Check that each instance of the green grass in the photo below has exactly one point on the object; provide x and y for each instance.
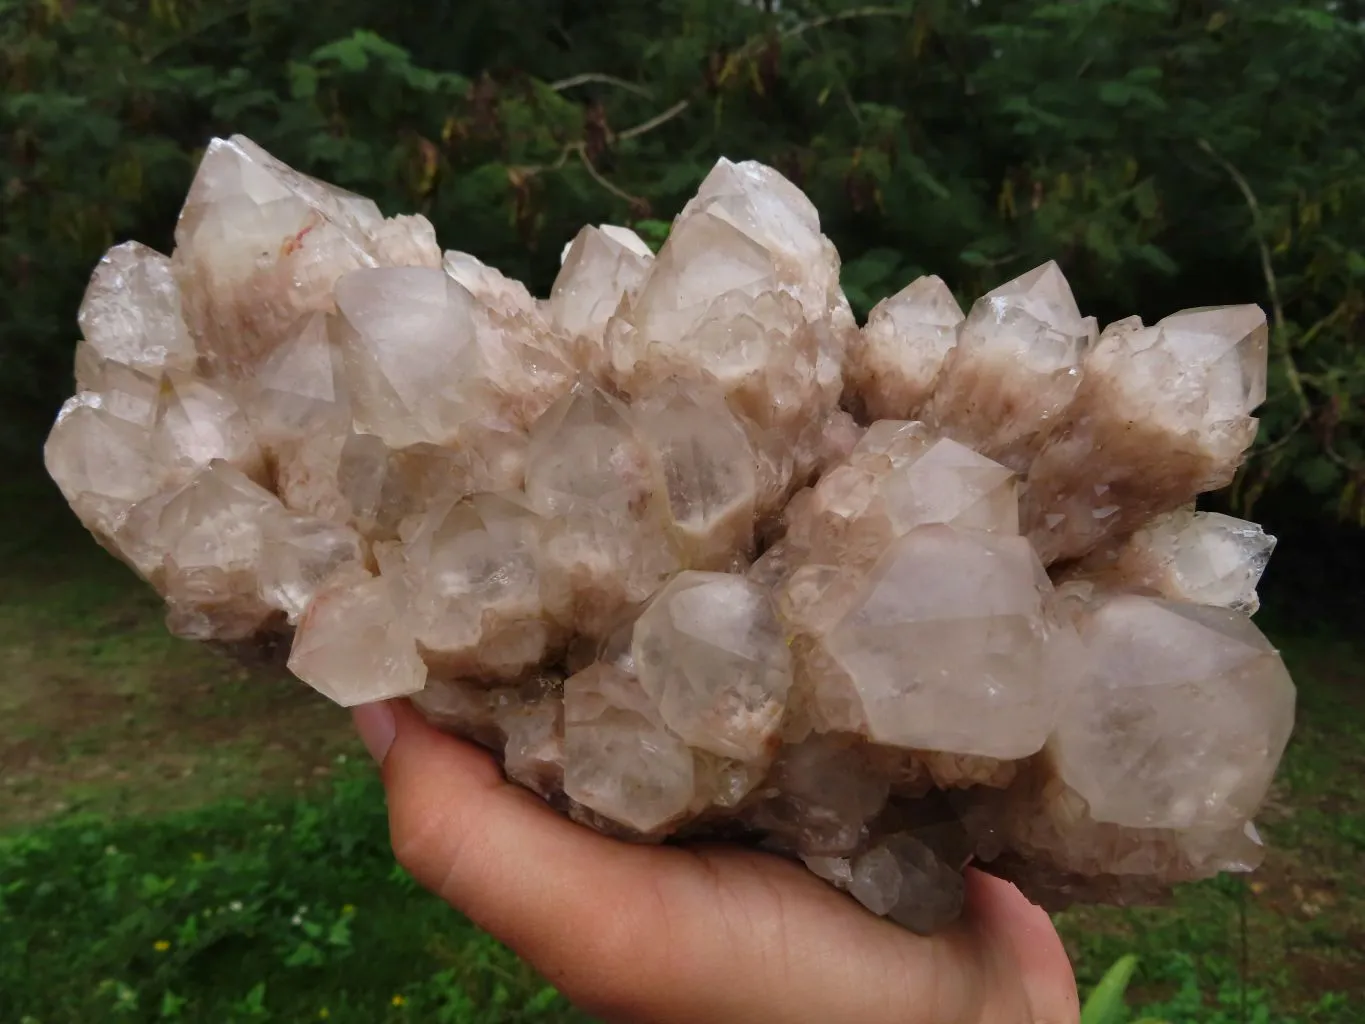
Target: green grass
(276, 910)
(102, 709)
(152, 792)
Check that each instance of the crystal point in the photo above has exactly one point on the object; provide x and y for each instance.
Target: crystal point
(131, 312)
(893, 366)
(1015, 368)
(1163, 413)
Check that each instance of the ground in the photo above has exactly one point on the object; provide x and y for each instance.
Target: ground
(102, 712)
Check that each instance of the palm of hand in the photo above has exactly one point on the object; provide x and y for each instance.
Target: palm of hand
(706, 934)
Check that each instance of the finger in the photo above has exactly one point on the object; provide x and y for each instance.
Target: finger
(534, 880)
(1031, 948)
(774, 943)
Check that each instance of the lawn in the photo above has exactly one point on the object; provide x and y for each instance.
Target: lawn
(183, 839)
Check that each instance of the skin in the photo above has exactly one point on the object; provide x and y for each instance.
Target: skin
(706, 933)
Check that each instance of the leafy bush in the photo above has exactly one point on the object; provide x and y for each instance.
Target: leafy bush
(1167, 152)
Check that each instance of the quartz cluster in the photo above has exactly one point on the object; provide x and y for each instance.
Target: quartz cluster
(693, 552)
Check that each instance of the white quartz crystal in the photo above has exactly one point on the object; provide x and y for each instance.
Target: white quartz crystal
(602, 267)
(1015, 367)
(711, 655)
(1201, 557)
(897, 357)
(131, 312)
(1141, 740)
(353, 646)
(1163, 413)
(689, 552)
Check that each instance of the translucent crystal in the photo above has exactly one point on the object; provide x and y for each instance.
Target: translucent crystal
(211, 533)
(197, 423)
(470, 709)
(586, 452)
(489, 285)
(1200, 557)
(131, 312)
(102, 463)
(534, 751)
(618, 759)
(952, 484)
(897, 357)
(837, 871)
(1015, 368)
(704, 258)
(258, 245)
(407, 240)
(760, 352)
(824, 794)
(704, 475)
(298, 390)
(1164, 413)
(595, 568)
(951, 647)
(1181, 719)
(476, 606)
(710, 654)
(298, 554)
(601, 267)
(1061, 853)
(128, 394)
(353, 646)
(402, 333)
(898, 479)
(900, 878)
(767, 208)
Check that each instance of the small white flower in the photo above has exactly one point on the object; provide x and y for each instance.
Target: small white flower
(296, 920)
(235, 906)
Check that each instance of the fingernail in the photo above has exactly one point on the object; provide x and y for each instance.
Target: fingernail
(376, 726)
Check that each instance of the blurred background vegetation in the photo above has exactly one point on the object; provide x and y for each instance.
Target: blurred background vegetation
(1167, 153)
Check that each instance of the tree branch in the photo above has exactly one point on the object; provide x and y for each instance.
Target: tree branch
(589, 77)
(852, 14)
(194, 31)
(597, 176)
(578, 149)
(1280, 333)
(654, 122)
(753, 43)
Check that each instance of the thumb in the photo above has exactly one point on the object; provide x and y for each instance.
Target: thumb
(531, 878)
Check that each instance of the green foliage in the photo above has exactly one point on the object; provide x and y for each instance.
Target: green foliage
(1105, 1005)
(1168, 153)
(244, 913)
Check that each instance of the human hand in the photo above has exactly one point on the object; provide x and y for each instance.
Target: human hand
(707, 933)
